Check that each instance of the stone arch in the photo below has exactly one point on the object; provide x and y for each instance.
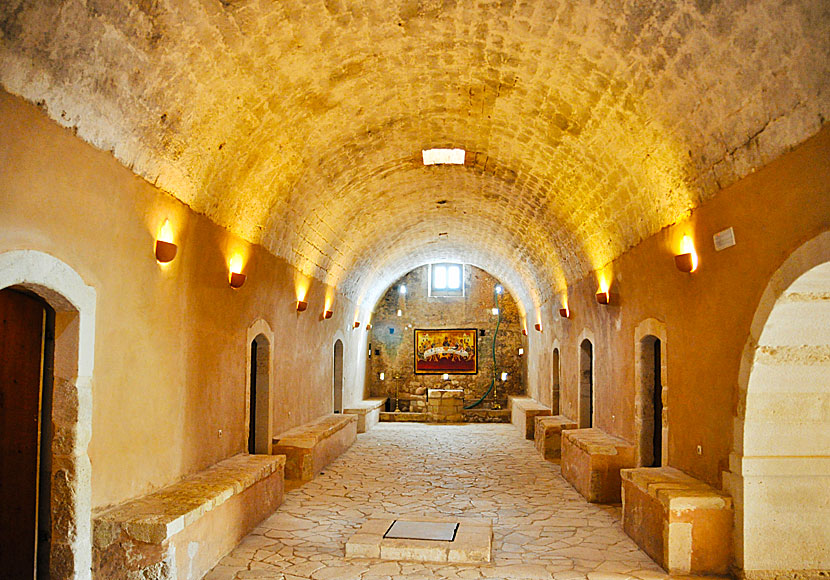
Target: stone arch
(586, 380)
(778, 468)
(260, 333)
(74, 304)
(646, 335)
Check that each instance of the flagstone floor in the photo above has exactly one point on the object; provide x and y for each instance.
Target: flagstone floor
(542, 528)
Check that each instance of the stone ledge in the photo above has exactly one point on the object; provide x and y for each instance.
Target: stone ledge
(309, 434)
(684, 524)
(591, 462)
(158, 516)
(367, 413)
(548, 434)
(523, 411)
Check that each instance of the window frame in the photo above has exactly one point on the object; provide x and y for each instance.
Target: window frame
(447, 292)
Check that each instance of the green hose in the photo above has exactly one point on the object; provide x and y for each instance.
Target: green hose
(493, 381)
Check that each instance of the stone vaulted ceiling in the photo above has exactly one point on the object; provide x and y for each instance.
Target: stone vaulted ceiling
(298, 124)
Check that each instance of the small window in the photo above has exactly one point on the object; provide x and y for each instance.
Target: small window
(446, 280)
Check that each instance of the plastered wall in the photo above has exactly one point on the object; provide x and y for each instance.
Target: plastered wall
(169, 387)
(707, 313)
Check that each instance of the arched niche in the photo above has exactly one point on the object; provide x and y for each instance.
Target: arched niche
(650, 394)
(259, 390)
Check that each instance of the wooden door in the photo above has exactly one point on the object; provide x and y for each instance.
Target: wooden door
(21, 362)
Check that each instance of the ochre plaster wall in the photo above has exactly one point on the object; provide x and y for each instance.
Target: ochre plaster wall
(420, 311)
(171, 348)
(707, 313)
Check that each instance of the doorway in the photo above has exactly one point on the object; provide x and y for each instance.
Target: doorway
(259, 411)
(26, 377)
(338, 376)
(586, 384)
(651, 402)
(554, 399)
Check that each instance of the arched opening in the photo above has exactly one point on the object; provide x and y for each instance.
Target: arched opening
(338, 376)
(259, 410)
(786, 434)
(586, 384)
(26, 376)
(554, 399)
(53, 342)
(651, 409)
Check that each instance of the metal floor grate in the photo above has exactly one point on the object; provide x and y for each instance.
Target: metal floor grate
(404, 530)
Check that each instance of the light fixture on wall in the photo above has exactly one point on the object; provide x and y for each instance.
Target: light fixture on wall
(499, 289)
(687, 260)
(524, 332)
(368, 327)
(445, 376)
(357, 324)
(382, 376)
(603, 297)
(521, 351)
(302, 305)
(538, 326)
(327, 314)
(494, 311)
(236, 277)
(402, 289)
(503, 377)
(565, 312)
(165, 248)
(400, 312)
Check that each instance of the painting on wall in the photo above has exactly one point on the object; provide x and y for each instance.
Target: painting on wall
(446, 351)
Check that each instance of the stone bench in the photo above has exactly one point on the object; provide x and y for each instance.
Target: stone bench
(310, 447)
(682, 523)
(523, 411)
(548, 437)
(591, 462)
(367, 412)
(172, 532)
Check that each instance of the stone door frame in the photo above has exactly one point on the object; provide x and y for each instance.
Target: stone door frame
(74, 304)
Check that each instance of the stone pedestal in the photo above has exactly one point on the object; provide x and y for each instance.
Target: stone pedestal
(445, 405)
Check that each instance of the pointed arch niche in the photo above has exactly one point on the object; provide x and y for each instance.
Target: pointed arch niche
(259, 390)
(586, 391)
(650, 394)
(71, 499)
(779, 469)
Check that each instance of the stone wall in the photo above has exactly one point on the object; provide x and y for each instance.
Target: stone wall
(392, 339)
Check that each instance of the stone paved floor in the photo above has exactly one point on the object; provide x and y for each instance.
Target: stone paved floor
(542, 528)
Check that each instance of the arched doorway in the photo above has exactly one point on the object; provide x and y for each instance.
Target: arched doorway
(586, 384)
(338, 376)
(650, 417)
(67, 358)
(259, 396)
(555, 373)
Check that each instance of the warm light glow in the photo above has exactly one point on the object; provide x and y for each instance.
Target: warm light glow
(538, 326)
(235, 264)
(166, 232)
(382, 376)
(357, 324)
(687, 246)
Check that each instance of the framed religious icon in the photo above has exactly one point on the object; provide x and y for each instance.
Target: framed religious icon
(442, 351)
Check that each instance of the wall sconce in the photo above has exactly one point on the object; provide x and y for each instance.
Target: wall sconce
(368, 327)
(301, 305)
(565, 312)
(445, 376)
(357, 324)
(327, 314)
(495, 311)
(165, 248)
(382, 376)
(538, 326)
(524, 332)
(603, 297)
(402, 289)
(503, 377)
(687, 260)
(236, 278)
(521, 352)
(400, 312)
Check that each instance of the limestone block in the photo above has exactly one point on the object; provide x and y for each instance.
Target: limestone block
(591, 462)
(682, 523)
(548, 434)
(367, 412)
(523, 411)
(310, 447)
